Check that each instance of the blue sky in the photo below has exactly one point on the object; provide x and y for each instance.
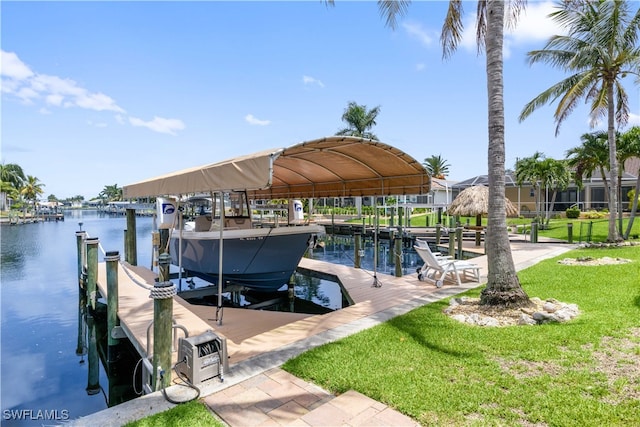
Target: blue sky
(96, 94)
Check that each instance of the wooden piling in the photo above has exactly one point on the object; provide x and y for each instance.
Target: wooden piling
(93, 380)
(452, 243)
(162, 328)
(397, 252)
(459, 239)
(92, 270)
(438, 233)
(82, 255)
(131, 251)
(357, 240)
(112, 259)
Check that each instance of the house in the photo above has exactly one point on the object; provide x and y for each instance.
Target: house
(590, 197)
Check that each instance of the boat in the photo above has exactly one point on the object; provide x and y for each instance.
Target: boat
(264, 257)
(256, 256)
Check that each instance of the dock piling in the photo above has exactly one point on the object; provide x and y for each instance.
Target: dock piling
(397, 254)
(82, 255)
(162, 325)
(131, 251)
(459, 239)
(357, 239)
(112, 259)
(92, 270)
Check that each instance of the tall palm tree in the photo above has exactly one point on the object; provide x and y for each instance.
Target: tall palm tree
(599, 51)
(437, 166)
(359, 121)
(503, 286)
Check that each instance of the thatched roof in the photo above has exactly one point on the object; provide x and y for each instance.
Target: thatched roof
(474, 201)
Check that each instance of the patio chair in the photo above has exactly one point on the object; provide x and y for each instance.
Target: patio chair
(444, 266)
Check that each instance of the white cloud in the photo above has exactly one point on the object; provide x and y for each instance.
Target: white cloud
(12, 67)
(416, 31)
(29, 86)
(249, 118)
(308, 80)
(634, 119)
(159, 124)
(532, 27)
(534, 24)
(421, 66)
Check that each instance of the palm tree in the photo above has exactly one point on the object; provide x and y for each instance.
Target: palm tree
(528, 170)
(503, 287)
(592, 155)
(111, 193)
(554, 175)
(31, 189)
(630, 144)
(436, 166)
(11, 179)
(600, 50)
(359, 120)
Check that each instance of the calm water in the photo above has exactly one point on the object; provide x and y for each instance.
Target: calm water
(39, 310)
(39, 369)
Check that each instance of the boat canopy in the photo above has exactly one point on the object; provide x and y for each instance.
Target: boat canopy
(335, 166)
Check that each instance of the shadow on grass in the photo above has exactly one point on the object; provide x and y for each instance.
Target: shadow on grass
(429, 327)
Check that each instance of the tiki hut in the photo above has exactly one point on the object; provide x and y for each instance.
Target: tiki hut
(474, 201)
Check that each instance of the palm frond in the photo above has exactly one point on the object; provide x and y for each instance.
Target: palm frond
(452, 29)
(390, 10)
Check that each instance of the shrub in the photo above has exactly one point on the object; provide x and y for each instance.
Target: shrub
(573, 212)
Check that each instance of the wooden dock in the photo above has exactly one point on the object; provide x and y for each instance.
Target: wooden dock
(251, 333)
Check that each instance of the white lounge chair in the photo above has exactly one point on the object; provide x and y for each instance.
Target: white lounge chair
(444, 265)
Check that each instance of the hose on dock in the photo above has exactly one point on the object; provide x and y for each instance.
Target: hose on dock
(186, 381)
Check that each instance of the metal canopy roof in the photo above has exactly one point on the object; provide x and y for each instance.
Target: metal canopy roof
(335, 166)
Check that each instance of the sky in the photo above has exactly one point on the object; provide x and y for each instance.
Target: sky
(104, 93)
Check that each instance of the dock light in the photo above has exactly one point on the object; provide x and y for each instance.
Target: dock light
(80, 224)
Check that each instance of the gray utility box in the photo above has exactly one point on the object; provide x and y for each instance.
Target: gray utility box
(202, 357)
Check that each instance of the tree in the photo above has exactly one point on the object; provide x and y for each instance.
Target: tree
(592, 155)
(543, 172)
(31, 189)
(111, 193)
(11, 179)
(359, 121)
(436, 166)
(527, 170)
(503, 287)
(600, 50)
(630, 140)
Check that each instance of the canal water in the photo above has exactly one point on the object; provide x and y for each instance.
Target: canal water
(45, 377)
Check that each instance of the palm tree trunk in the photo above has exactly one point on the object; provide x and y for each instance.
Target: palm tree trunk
(503, 286)
(634, 207)
(613, 235)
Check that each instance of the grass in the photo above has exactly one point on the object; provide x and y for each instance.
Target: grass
(191, 414)
(441, 372)
(557, 228)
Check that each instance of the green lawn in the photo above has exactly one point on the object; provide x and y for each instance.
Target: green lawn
(191, 414)
(557, 228)
(441, 372)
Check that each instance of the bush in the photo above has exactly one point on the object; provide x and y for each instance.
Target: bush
(573, 212)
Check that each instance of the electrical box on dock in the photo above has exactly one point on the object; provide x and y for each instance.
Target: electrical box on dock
(202, 357)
